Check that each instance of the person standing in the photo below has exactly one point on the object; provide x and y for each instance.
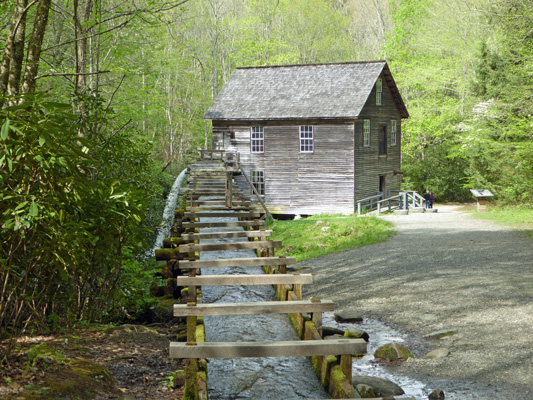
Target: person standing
(431, 199)
(426, 198)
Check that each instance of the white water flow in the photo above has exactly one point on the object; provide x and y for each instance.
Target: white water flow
(252, 378)
(380, 334)
(168, 213)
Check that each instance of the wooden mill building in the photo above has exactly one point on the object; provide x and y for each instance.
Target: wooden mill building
(313, 138)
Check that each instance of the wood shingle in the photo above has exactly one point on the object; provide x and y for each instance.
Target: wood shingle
(321, 91)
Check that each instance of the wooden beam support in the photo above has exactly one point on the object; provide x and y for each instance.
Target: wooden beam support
(262, 307)
(220, 235)
(262, 279)
(222, 224)
(237, 262)
(233, 214)
(269, 244)
(301, 348)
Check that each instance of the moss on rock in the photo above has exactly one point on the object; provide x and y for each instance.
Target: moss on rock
(392, 352)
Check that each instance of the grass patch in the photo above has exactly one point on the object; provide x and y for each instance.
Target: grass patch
(516, 217)
(324, 234)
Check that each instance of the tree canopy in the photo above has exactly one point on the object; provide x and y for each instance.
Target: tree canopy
(101, 102)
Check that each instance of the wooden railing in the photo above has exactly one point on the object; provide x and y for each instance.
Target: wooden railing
(398, 202)
(368, 204)
(402, 201)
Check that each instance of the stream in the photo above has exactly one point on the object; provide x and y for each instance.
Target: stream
(275, 378)
(289, 377)
(252, 378)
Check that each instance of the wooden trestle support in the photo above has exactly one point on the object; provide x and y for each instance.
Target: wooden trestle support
(213, 193)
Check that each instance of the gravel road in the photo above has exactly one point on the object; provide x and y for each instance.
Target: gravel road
(445, 270)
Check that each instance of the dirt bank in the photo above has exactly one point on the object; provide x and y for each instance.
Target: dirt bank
(445, 271)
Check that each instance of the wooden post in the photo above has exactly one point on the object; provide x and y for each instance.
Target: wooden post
(297, 289)
(282, 268)
(346, 366)
(191, 254)
(192, 297)
(191, 379)
(229, 189)
(317, 320)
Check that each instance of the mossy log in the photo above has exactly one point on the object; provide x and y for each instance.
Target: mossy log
(168, 254)
(172, 242)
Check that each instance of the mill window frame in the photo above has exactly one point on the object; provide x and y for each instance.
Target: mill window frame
(307, 140)
(379, 91)
(393, 132)
(257, 139)
(258, 181)
(366, 133)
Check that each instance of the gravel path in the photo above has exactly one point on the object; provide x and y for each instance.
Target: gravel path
(445, 270)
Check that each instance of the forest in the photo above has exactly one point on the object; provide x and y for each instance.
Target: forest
(102, 103)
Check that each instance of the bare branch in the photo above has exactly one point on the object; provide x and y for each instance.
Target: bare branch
(114, 92)
(72, 74)
(86, 37)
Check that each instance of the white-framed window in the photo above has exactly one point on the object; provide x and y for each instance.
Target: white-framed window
(379, 91)
(306, 139)
(258, 180)
(257, 139)
(393, 132)
(366, 133)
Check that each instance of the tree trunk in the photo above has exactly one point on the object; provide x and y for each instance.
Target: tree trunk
(81, 18)
(17, 60)
(35, 45)
(11, 50)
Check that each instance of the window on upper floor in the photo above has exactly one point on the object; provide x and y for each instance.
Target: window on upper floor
(379, 91)
(257, 139)
(366, 133)
(393, 132)
(306, 139)
(258, 181)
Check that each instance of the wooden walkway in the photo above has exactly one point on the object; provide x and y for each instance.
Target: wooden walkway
(212, 193)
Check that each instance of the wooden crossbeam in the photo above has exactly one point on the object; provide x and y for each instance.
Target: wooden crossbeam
(222, 224)
(302, 348)
(233, 214)
(220, 207)
(261, 307)
(251, 279)
(237, 262)
(222, 235)
(219, 202)
(267, 244)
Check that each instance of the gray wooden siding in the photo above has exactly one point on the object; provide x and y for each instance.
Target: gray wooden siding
(300, 183)
(369, 165)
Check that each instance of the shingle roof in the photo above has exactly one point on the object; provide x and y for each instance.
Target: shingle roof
(300, 92)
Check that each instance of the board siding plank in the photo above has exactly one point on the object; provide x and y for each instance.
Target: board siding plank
(302, 348)
(270, 244)
(262, 279)
(220, 235)
(237, 262)
(222, 224)
(261, 307)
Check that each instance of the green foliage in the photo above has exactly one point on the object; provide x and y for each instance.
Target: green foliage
(73, 212)
(324, 234)
(465, 75)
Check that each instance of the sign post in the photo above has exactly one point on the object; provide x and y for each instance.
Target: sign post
(482, 196)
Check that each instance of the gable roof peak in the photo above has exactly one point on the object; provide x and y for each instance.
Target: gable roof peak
(301, 91)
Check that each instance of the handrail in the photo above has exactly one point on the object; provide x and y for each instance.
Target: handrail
(401, 200)
(417, 200)
(369, 200)
(254, 190)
